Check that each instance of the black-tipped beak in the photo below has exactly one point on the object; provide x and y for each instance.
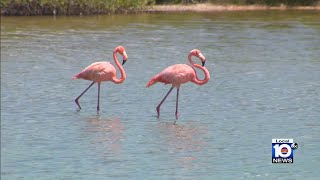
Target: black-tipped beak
(203, 63)
(124, 61)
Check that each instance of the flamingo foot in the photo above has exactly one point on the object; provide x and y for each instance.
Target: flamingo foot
(158, 111)
(77, 102)
(177, 115)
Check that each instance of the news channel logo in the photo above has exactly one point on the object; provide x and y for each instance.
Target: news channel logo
(282, 150)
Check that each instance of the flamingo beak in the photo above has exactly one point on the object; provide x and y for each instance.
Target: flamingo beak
(203, 59)
(203, 63)
(125, 57)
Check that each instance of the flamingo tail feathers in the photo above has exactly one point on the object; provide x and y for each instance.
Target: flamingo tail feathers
(152, 81)
(157, 78)
(77, 76)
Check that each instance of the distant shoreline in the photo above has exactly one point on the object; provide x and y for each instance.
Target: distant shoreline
(213, 8)
(204, 7)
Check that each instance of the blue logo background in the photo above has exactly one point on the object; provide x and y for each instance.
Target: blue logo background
(273, 150)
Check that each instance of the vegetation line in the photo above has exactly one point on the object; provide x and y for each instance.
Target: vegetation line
(87, 7)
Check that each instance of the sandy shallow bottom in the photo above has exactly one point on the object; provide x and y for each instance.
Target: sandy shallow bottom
(211, 7)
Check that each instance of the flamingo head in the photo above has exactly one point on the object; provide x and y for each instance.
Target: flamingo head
(197, 53)
(121, 50)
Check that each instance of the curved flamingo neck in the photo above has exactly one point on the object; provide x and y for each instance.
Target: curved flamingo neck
(123, 73)
(190, 59)
(196, 79)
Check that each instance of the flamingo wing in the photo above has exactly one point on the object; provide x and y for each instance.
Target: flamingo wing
(97, 72)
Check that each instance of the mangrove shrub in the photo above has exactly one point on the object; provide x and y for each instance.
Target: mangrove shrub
(71, 7)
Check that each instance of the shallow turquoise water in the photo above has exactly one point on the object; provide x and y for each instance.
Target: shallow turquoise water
(265, 83)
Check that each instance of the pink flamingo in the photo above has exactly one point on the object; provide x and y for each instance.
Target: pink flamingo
(179, 74)
(103, 71)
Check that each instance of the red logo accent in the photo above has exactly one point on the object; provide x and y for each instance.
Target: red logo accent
(284, 150)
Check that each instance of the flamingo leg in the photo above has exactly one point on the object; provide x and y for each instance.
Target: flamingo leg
(158, 107)
(77, 99)
(98, 104)
(177, 100)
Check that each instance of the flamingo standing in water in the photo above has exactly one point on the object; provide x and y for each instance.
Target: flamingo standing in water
(179, 74)
(103, 71)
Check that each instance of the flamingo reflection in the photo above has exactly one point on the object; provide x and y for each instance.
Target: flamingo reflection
(107, 134)
(184, 142)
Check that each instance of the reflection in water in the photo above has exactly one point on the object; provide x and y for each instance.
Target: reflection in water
(185, 142)
(106, 134)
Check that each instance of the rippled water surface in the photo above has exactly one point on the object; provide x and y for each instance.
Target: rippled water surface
(265, 83)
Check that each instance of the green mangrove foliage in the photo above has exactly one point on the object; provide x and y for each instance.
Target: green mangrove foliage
(71, 7)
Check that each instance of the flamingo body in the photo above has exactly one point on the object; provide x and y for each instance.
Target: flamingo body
(179, 74)
(98, 72)
(176, 75)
